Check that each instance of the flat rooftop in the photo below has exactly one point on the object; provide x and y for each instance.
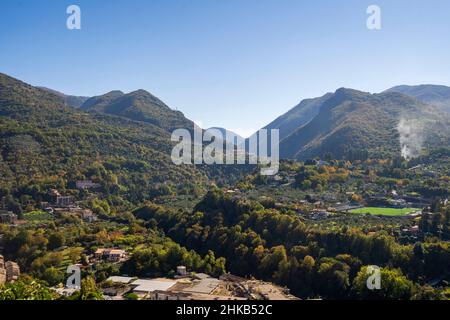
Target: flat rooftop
(206, 286)
(119, 279)
(153, 285)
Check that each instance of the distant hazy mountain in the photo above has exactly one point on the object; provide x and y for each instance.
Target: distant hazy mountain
(351, 122)
(226, 132)
(290, 121)
(138, 105)
(301, 114)
(71, 101)
(432, 94)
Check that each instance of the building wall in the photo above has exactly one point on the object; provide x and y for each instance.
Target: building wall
(12, 271)
(64, 201)
(9, 271)
(2, 270)
(2, 276)
(8, 218)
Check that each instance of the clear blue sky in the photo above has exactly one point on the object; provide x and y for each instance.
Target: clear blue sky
(232, 63)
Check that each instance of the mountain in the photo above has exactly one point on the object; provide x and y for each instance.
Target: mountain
(226, 132)
(99, 103)
(290, 121)
(301, 114)
(71, 101)
(138, 105)
(46, 144)
(432, 94)
(353, 123)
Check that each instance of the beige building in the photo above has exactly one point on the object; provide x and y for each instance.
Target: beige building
(2, 270)
(112, 255)
(12, 271)
(9, 271)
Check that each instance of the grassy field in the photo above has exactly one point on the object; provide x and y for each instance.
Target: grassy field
(37, 216)
(391, 212)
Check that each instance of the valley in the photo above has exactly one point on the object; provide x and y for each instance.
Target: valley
(90, 182)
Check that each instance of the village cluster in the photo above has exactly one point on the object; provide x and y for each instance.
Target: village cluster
(344, 202)
(184, 286)
(57, 203)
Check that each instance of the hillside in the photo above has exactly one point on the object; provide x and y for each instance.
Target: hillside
(45, 144)
(226, 132)
(433, 94)
(71, 101)
(301, 114)
(138, 105)
(355, 124)
(99, 103)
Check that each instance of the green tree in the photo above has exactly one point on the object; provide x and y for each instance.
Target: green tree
(55, 241)
(26, 289)
(89, 290)
(394, 285)
(53, 276)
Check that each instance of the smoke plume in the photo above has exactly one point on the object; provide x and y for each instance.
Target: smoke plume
(411, 133)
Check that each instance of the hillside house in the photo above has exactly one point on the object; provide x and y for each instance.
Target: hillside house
(111, 255)
(12, 271)
(2, 270)
(9, 271)
(8, 217)
(60, 200)
(87, 215)
(86, 184)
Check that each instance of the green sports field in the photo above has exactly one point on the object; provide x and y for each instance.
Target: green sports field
(391, 212)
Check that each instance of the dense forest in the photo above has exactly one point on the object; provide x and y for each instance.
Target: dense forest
(268, 244)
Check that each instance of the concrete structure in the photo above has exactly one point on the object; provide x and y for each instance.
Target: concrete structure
(112, 255)
(268, 291)
(204, 286)
(148, 286)
(60, 200)
(2, 276)
(196, 287)
(2, 270)
(169, 295)
(12, 271)
(9, 271)
(88, 216)
(8, 217)
(181, 270)
(201, 276)
(86, 184)
(64, 201)
(120, 279)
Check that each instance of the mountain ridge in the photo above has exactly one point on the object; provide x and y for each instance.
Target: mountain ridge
(46, 144)
(437, 95)
(355, 121)
(138, 105)
(339, 123)
(299, 115)
(70, 100)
